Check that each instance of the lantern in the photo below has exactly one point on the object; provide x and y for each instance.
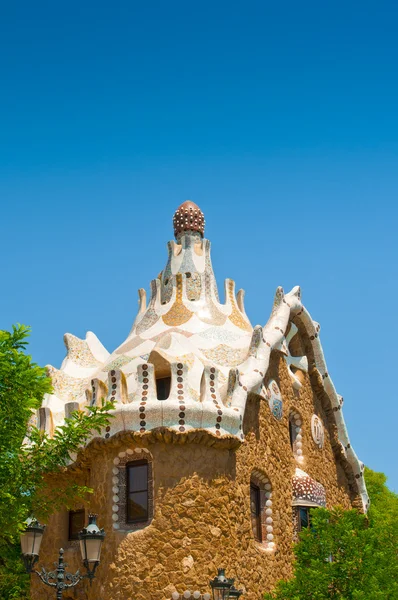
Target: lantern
(30, 543)
(91, 538)
(221, 586)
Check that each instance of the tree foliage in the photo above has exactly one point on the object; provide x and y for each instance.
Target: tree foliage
(347, 555)
(29, 458)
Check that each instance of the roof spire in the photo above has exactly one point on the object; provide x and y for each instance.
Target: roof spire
(188, 217)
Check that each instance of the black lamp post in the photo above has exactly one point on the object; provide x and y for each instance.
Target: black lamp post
(91, 538)
(221, 586)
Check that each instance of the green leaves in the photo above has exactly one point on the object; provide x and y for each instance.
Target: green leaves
(14, 582)
(347, 555)
(22, 387)
(30, 461)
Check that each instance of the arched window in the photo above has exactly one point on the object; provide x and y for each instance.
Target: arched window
(261, 510)
(163, 385)
(162, 375)
(296, 435)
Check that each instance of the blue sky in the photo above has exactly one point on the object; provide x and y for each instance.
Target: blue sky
(279, 119)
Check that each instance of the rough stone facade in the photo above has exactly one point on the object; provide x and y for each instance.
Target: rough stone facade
(201, 505)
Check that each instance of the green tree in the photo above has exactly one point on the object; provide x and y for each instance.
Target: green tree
(29, 459)
(347, 555)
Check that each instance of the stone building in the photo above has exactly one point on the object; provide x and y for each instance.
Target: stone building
(223, 436)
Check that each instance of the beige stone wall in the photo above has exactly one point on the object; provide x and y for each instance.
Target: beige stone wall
(201, 505)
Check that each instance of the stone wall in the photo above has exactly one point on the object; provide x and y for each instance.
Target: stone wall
(201, 504)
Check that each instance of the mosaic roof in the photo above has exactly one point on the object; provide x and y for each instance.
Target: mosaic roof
(209, 349)
(307, 491)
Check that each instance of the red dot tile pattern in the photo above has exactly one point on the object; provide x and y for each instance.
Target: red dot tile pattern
(188, 217)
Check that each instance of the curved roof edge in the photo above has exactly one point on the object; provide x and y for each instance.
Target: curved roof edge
(289, 307)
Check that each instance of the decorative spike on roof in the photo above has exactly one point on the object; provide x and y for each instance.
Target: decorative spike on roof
(188, 217)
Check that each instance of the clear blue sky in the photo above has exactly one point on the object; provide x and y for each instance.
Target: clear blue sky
(279, 119)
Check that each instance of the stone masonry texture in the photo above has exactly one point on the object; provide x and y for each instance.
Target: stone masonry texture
(201, 504)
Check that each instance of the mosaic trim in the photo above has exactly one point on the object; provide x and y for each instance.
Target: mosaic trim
(267, 521)
(216, 317)
(236, 316)
(178, 314)
(217, 334)
(117, 363)
(159, 336)
(117, 387)
(225, 355)
(65, 386)
(166, 279)
(181, 373)
(98, 392)
(130, 345)
(151, 316)
(295, 419)
(193, 286)
(211, 282)
(79, 352)
(146, 391)
(119, 489)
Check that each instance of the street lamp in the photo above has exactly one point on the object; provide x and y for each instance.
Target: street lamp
(235, 594)
(30, 543)
(91, 539)
(221, 586)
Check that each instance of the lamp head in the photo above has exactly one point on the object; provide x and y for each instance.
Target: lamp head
(91, 539)
(30, 543)
(221, 586)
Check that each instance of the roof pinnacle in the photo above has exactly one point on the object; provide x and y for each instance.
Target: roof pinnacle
(188, 217)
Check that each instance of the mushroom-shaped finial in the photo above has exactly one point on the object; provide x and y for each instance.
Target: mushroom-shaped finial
(188, 217)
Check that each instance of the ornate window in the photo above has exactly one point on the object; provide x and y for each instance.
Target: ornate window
(132, 490)
(261, 510)
(76, 522)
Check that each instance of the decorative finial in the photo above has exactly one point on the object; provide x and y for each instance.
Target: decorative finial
(188, 217)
